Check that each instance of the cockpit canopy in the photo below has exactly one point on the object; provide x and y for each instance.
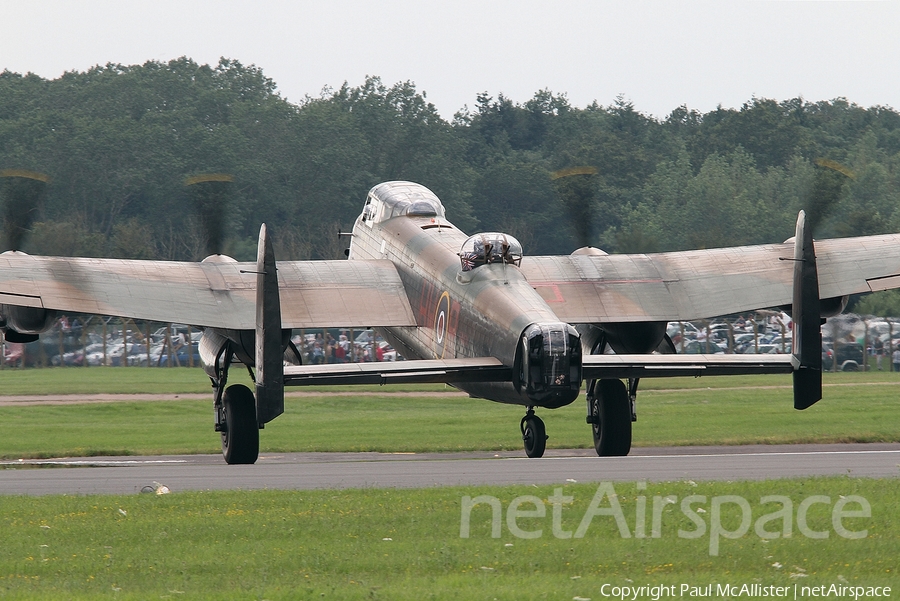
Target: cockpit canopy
(490, 247)
(393, 199)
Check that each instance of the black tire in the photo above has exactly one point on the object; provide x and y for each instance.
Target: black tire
(240, 437)
(534, 435)
(611, 417)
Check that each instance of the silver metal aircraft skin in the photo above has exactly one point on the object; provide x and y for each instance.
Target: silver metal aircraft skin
(471, 311)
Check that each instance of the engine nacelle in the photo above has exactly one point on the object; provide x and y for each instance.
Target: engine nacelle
(590, 250)
(212, 345)
(634, 338)
(549, 362)
(23, 324)
(240, 342)
(828, 307)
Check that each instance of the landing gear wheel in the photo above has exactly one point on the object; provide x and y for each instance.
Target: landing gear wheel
(610, 418)
(240, 434)
(534, 435)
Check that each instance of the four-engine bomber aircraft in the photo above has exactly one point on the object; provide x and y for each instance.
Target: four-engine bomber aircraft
(471, 311)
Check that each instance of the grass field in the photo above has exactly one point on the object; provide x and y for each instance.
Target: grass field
(856, 408)
(175, 380)
(137, 380)
(407, 544)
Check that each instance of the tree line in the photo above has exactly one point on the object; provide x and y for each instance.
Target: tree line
(119, 142)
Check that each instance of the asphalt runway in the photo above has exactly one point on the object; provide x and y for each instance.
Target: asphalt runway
(128, 475)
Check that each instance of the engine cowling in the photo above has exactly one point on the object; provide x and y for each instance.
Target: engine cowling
(828, 307)
(212, 344)
(636, 338)
(242, 343)
(23, 324)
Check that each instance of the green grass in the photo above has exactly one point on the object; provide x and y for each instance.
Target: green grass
(332, 544)
(181, 380)
(829, 379)
(113, 380)
(141, 380)
(855, 412)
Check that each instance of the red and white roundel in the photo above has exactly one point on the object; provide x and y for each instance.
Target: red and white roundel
(441, 316)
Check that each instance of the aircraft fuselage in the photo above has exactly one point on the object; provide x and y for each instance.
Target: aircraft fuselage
(477, 313)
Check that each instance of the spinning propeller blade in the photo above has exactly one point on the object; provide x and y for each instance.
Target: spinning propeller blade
(211, 192)
(23, 194)
(577, 189)
(828, 184)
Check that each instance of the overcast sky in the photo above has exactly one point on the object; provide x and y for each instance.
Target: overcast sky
(657, 54)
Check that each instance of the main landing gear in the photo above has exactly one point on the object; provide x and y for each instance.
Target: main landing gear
(240, 416)
(240, 432)
(236, 418)
(534, 435)
(610, 409)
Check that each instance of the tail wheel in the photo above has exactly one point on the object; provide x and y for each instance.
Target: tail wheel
(611, 418)
(240, 436)
(534, 435)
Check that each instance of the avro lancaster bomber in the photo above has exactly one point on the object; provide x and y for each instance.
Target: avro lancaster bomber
(473, 311)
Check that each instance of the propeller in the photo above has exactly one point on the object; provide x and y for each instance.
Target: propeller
(828, 183)
(211, 192)
(577, 189)
(22, 194)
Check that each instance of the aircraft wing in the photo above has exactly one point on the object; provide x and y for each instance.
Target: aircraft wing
(222, 295)
(681, 286)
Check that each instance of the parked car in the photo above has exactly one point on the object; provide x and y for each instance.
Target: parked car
(704, 347)
(767, 349)
(849, 357)
(673, 328)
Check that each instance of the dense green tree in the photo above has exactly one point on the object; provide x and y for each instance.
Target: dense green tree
(519, 199)
(119, 142)
(880, 304)
(770, 131)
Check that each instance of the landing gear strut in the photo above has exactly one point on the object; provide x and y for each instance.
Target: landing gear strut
(534, 435)
(610, 413)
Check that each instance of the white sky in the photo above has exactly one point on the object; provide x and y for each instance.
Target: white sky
(658, 54)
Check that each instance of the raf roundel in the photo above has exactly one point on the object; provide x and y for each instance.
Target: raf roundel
(441, 315)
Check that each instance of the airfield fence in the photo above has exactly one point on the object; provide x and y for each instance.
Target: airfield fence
(93, 340)
(850, 342)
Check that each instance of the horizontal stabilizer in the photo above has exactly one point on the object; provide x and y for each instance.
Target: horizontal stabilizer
(486, 369)
(489, 369)
(602, 367)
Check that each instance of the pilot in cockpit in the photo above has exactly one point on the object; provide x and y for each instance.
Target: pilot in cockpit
(491, 247)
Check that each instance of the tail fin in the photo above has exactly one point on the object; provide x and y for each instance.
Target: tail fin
(269, 350)
(806, 310)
